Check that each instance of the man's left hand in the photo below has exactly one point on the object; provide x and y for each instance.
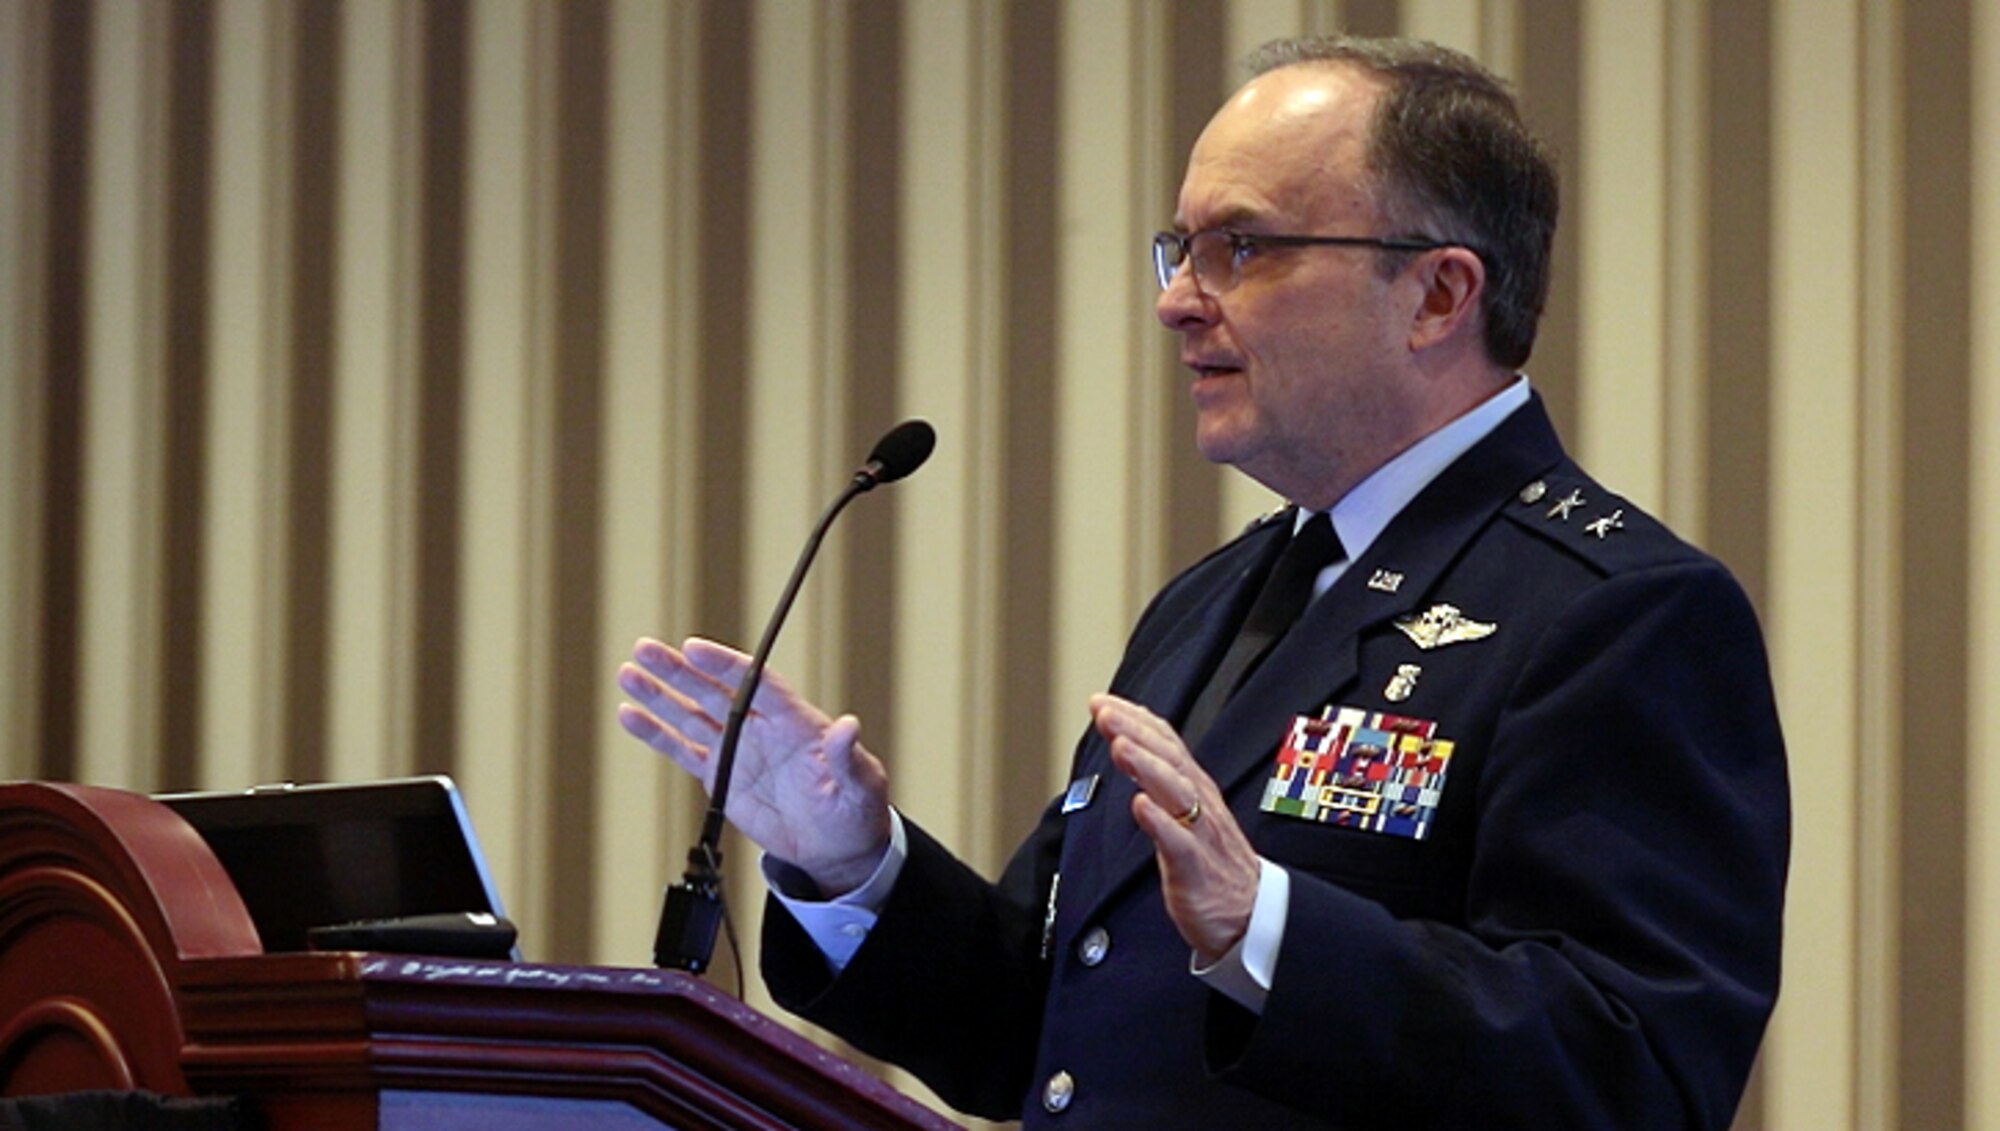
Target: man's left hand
(1208, 871)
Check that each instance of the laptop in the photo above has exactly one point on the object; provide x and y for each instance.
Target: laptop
(385, 865)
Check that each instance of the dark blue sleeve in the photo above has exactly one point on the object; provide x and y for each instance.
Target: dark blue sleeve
(949, 984)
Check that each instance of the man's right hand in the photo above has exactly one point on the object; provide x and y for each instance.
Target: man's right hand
(804, 789)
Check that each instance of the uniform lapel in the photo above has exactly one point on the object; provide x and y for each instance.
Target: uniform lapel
(1316, 663)
(1168, 680)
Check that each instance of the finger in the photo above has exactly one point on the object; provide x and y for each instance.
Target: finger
(1172, 838)
(838, 746)
(667, 705)
(1117, 717)
(717, 661)
(1162, 784)
(726, 667)
(640, 684)
(647, 728)
(672, 668)
(661, 680)
(661, 659)
(1208, 877)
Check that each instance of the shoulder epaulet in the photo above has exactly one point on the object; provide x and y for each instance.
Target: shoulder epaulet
(1589, 520)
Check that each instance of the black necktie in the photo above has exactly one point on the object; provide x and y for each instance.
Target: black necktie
(1286, 593)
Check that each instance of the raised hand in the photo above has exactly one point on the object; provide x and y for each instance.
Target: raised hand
(1208, 871)
(804, 788)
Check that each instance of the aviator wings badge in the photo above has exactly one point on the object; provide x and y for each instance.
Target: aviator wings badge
(1440, 625)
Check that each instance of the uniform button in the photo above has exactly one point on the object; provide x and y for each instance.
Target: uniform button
(1094, 945)
(1057, 1093)
(853, 930)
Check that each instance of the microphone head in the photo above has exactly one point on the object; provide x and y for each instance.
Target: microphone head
(899, 453)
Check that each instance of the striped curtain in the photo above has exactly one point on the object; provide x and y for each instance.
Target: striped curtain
(372, 374)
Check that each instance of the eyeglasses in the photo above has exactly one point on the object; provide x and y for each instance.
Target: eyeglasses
(1218, 253)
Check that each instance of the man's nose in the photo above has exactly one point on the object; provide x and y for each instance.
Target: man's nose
(1183, 304)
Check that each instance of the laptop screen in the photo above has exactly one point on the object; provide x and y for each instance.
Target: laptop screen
(310, 856)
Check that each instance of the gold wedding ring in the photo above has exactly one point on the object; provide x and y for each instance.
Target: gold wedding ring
(1186, 820)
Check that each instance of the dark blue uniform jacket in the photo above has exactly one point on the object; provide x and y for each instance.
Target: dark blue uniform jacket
(1586, 937)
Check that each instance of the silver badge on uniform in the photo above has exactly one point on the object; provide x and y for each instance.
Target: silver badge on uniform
(1443, 624)
(1602, 527)
(1566, 504)
(1403, 683)
(1049, 917)
(1386, 581)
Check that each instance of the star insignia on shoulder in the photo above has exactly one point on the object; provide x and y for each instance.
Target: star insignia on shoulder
(1440, 625)
(1602, 527)
(1566, 504)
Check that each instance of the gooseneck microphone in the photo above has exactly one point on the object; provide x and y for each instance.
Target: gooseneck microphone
(903, 450)
(694, 911)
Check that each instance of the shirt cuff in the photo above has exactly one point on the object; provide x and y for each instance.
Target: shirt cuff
(839, 926)
(1244, 974)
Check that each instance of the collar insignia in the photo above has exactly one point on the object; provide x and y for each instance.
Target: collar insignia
(1386, 581)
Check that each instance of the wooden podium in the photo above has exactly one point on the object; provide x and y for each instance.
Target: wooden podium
(127, 961)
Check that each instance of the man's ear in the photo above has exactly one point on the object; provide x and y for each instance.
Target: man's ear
(1453, 279)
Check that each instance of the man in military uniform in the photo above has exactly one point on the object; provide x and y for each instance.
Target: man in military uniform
(1451, 796)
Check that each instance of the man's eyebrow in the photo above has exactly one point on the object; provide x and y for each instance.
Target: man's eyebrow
(1229, 218)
